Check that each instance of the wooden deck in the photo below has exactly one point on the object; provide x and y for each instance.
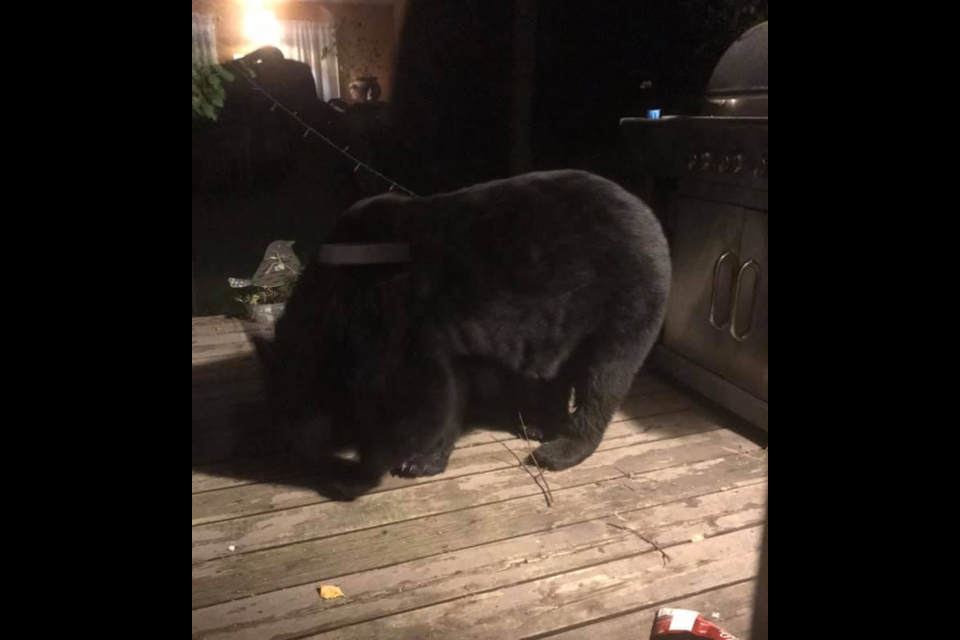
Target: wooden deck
(668, 512)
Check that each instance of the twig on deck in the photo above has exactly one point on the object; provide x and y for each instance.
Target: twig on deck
(526, 438)
(546, 495)
(651, 542)
(628, 476)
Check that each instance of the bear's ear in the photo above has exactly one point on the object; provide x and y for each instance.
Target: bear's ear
(265, 350)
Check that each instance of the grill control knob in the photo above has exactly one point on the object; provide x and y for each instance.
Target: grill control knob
(706, 161)
(693, 162)
(731, 163)
(761, 170)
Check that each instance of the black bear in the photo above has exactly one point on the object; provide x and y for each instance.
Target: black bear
(559, 278)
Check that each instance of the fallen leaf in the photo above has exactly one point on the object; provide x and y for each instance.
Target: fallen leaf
(697, 538)
(329, 592)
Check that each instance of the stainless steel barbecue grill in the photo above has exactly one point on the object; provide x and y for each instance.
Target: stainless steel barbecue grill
(713, 170)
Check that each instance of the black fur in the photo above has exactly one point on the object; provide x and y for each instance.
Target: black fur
(561, 278)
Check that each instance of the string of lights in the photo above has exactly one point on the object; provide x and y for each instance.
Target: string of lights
(359, 164)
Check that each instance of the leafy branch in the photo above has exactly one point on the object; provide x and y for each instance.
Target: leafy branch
(208, 90)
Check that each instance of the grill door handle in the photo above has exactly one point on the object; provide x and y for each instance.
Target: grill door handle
(720, 326)
(742, 337)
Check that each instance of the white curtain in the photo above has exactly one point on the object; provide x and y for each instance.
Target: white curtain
(204, 38)
(313, 44)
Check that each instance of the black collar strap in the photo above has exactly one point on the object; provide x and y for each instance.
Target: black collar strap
(359, 254)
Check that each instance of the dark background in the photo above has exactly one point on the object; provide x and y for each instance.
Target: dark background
(452, 120)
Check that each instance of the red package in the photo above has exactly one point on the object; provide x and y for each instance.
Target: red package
(683, 624)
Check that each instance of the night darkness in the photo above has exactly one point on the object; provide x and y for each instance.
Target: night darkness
(453, 91)
(449, 121)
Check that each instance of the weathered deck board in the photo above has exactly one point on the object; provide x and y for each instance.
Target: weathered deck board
(245, 434)
(237, 336)
(653, 413)
(216, 324)
(213, 351)
(441, 578)
(245, 421)
(552, 603)
(474, 552)
(252, 499)
(422, 500)
(731, 607)
(269, 468)
(246, 574)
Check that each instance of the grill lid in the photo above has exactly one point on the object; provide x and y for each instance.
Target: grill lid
(738, 86)
(727, 143)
